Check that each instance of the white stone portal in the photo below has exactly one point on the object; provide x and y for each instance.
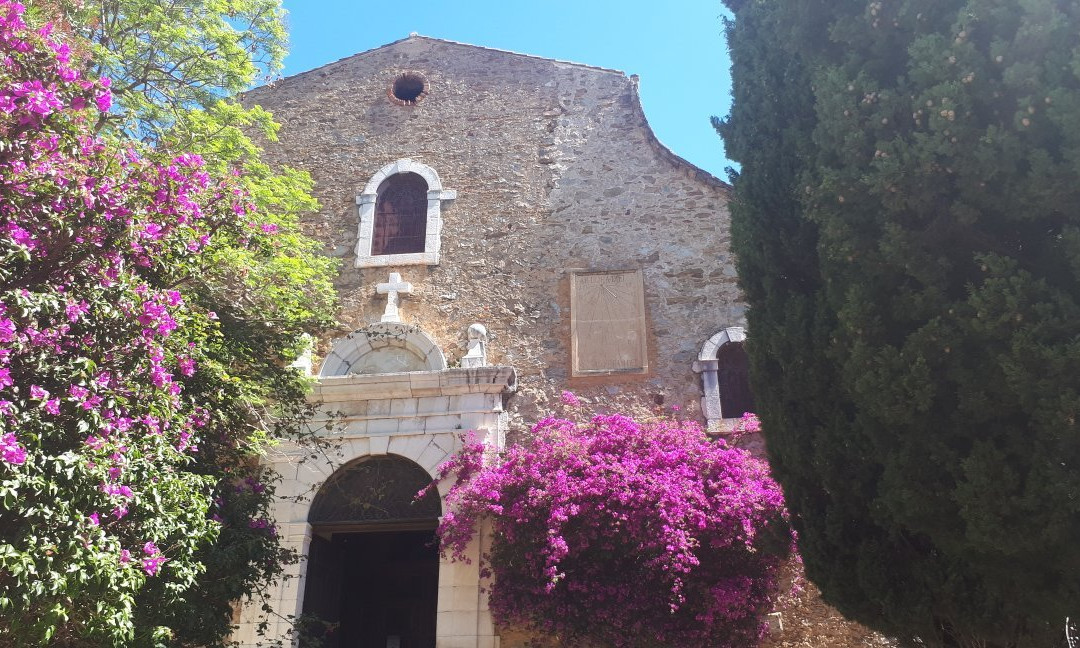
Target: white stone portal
(420, 416)
(386, 390)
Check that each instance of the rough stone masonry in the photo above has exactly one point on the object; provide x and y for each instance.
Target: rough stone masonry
(556, 170)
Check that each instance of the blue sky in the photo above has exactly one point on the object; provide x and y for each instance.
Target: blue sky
(676, 47)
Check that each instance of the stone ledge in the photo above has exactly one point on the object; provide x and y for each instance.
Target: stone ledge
(448, 382)
(384, 260)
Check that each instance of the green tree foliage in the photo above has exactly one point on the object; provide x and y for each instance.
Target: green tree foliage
(177, 67)
(909, 244)
(166, 57)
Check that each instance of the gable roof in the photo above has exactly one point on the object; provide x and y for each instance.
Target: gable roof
(444, 41)
(633, 80)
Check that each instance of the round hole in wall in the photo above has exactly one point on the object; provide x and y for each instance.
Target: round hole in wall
(408, 89)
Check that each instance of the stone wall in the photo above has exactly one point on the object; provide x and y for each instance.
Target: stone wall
(555, 169)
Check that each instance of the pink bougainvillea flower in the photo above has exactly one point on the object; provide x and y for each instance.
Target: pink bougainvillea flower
(103, 100)
(186, 365)
(153, 560)
(20, 236)
(7, 330)
(75, 310)
(748, 424)
(667, 536)
(11, 451)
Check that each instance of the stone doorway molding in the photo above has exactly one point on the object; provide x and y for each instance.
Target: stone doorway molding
(436, 195)
(707, 365)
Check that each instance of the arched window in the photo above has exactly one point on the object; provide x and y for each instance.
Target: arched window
(400, 215)
(733, 378)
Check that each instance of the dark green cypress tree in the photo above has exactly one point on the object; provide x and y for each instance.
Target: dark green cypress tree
(907, 221)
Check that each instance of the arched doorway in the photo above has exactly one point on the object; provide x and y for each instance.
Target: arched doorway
(373, 564)
(725, 379)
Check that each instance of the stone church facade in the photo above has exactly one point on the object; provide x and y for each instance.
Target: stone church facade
(509, 228)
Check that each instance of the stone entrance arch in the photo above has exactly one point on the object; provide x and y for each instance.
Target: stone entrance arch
(373, 564)
(377, 491)
(380, 420)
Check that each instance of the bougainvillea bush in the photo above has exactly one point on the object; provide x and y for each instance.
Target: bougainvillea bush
(619, 533)
(134, 374)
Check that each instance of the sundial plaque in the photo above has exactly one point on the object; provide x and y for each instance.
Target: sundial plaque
(607, 323)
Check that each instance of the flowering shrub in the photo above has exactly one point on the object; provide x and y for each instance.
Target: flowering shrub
(123, 427)
(618, 533)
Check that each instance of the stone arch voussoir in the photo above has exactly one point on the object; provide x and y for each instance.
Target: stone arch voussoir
(404, 165)
(724, 336)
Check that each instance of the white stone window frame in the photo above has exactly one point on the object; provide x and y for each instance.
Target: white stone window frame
(436, 195)
(707, 365)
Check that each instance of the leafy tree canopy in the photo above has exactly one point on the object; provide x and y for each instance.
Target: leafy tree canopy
(166, 57)
(909, 245)
(177, 68)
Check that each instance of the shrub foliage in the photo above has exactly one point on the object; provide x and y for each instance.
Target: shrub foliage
(618, 533)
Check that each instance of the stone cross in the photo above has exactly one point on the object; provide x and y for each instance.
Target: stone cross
(392, 289)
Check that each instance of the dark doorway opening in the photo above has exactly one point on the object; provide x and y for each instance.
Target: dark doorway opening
(733, 376)
(372, 590)
(373, 563)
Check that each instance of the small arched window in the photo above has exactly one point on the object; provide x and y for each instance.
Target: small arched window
(401, 216)
(401, 207)
(733, 378)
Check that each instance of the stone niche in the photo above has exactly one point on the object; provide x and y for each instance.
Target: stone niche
(385, 347)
